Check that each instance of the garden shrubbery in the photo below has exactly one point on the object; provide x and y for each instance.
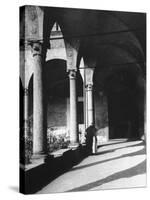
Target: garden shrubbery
(55, 142)
(26, 147)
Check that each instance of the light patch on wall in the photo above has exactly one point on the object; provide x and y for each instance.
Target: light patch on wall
(57, 46)
(81, 68)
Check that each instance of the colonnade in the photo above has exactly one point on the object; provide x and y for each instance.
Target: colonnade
(39, 135)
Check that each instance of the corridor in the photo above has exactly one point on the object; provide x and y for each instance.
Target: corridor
(76, 72)
(118, 164)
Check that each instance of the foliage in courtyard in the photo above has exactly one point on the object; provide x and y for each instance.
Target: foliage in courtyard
(56, 139)
(55, 142)
(26, 150)
(26, 143)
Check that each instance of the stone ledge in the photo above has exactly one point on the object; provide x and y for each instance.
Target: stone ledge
(35, 163)
(59, 152)
(37, 160)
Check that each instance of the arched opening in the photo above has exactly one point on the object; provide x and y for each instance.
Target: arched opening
(124, 105)
(57, 87)
(123, 90)
(57, 45)
(57, 94)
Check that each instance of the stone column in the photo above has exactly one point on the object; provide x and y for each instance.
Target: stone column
(26, 112)
(73, 110)
(89, 104)
(86, 108)
(38, 107)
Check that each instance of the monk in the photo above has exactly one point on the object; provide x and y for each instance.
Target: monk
(91, 140)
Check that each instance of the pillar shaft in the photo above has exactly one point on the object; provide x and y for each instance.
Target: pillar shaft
(89, 104)
(38, 111)
(86, 108)
(26, 112)
(73, 109)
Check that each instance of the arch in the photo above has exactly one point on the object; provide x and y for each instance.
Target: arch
(30, 80)
(82, 68)
(57, 46)
(56, 77)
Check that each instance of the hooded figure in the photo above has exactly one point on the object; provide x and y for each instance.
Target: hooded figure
(91, 139)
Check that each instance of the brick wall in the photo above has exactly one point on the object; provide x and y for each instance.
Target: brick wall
(57, 112)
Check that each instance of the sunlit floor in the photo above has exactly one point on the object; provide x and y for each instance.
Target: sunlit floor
(118, 164)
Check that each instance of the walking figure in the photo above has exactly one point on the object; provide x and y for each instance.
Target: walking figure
(91, 140)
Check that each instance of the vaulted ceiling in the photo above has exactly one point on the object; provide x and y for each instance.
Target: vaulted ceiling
(115, 40)
(103, 34)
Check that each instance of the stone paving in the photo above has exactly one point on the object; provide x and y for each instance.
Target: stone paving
(117, 164)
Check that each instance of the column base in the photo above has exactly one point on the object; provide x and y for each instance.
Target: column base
(36, 160)
(37, 156)
(74, 145)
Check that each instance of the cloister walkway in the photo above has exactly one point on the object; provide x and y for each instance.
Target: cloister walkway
(118, 164)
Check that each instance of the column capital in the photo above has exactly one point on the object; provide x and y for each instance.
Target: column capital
(72, 74)
(37, 48)
(34, 45)
(89, 86)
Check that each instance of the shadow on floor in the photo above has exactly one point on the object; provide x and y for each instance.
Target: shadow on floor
(117, 142)
(133, 171)
(36, 178)
(120, 142)
(33, 180)
(140, 152)
(115, 149)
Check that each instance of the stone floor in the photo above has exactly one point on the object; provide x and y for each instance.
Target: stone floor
(118, 164)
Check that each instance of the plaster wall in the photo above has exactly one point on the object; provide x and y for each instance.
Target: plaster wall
(101, 117)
